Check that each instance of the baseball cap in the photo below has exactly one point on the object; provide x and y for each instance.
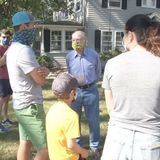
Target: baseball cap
(22, 17)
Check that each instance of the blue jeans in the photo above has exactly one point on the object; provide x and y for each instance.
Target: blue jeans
(125, 144)
(89, 99)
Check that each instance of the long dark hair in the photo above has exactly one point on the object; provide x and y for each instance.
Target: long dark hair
(147, 32)
(138, 24)
(152, 40)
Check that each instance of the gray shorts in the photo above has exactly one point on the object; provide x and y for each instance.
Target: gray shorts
(5, 88)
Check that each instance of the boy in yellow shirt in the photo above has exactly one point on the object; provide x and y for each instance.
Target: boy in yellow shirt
(62, 122)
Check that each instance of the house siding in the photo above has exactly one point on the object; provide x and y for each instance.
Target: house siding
(58, 56)
(99, 18)
(94, 19)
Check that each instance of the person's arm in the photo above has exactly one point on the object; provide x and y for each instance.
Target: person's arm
(3, 60)
(98, 68)
(71, 144)
(109, 100)
(39, 75)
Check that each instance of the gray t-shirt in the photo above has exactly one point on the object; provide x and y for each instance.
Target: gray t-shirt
(134, 79)
(21, 61)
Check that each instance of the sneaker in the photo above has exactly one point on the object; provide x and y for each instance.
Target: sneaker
(8, 123)
(96, 154)
(3, 129)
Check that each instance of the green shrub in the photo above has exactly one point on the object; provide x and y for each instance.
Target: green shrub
(110, 54)
(45, 60)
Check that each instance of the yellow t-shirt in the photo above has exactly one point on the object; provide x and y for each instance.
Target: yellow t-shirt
(61, 124)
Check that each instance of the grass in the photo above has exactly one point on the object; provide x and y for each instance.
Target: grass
(9, 142)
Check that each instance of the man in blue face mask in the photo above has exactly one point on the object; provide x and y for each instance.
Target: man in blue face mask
(26, 78)
(5, 88)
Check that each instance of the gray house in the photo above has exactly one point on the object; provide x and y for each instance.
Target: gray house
(102, 20)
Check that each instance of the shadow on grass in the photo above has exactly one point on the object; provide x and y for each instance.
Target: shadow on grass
(86, 141)
(9, 158)
(11, 136)
(103, 118)
(101, 92)
(50, 98)
(48, 84)
(103, 130)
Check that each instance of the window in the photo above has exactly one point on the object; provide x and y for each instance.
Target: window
(68, 40)
(115, 3)
(149, 3)
(78, 6)
(66, 15)
(106, 41)
(56, 38)
(111, 40)
(118, 39)
(104, 3)
(60, 41)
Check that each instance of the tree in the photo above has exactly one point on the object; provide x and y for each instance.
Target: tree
(49, 6)
(41, 9)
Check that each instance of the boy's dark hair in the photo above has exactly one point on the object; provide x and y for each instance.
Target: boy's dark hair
(63, 84)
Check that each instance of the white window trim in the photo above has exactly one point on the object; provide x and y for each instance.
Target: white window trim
(63, 40)
(113, 37)
(56, 51)
(76, 1)
(147, 6)
(114, 45)
(111, 7)
(102, 37)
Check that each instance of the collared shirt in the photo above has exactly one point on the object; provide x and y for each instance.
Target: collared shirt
(86, 68)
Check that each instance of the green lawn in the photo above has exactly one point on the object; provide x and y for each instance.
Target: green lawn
(9, 141)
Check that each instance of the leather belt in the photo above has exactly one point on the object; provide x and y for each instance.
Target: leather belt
(86, 86)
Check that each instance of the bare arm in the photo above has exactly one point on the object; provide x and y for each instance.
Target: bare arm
(39, 75)
(3, 60)
(71, 144)
(109, 100)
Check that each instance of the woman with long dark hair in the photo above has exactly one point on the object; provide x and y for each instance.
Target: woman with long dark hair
(132, 90)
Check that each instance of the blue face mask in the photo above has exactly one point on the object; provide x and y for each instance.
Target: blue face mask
(26, 36)
(6, 41)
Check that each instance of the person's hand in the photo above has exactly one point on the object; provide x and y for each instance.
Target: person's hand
(85, 153)
(3, 60)
(43, 71)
